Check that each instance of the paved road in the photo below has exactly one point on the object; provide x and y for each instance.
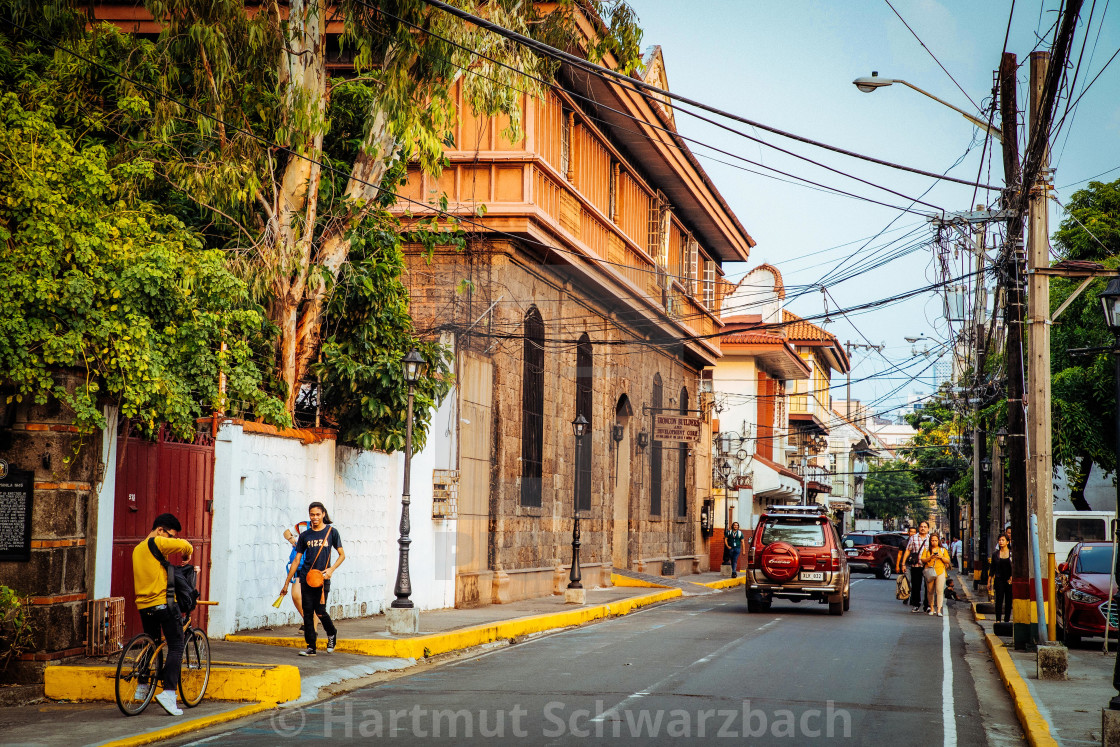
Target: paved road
(698, 669)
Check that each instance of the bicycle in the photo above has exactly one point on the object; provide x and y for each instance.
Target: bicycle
(141, 661)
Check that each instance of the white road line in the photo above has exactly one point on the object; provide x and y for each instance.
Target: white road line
(948, 716)
(613, 710)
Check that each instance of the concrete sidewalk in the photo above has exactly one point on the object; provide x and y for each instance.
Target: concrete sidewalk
(1050, 711)
(267, 661)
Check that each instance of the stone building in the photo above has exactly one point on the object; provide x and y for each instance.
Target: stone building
(591, 285)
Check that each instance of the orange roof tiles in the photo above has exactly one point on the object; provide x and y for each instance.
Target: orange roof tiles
(799, 329)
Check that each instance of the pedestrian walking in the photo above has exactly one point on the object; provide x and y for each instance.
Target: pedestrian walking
(912, 559)
(935, 562)
(733, 541)
(159, 613)
(312, 564)
(956, 554)
(297, 597)
(999, 579)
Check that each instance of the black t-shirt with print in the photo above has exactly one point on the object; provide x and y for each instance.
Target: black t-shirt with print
(309, 543)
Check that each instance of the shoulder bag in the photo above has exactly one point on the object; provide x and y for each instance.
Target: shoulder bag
(314, 577)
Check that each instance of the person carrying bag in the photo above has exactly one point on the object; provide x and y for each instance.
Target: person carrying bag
(315, 573)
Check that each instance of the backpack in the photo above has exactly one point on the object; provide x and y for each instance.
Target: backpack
(182, 582)
(902, 587)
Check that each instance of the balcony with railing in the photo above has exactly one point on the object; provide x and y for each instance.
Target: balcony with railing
(819, 479)
(809, 413)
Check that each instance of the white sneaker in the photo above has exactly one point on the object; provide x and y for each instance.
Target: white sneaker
(167, 700)
(142, 692)
(941, 614)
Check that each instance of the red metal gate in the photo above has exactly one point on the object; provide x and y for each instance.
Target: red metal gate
(162, 476)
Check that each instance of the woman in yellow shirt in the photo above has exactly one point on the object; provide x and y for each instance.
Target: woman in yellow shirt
(936, 562)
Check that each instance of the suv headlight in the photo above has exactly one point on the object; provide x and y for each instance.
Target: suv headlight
(1082, 596)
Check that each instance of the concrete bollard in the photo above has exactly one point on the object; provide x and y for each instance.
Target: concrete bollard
(1052, 662)
(402, 621)
(725, 570)
(1110, 728)
(575, 596)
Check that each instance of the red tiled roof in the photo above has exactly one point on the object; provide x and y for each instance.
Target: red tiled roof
(752, 338)
(799, 329)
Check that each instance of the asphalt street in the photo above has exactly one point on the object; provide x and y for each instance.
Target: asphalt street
(699, 669)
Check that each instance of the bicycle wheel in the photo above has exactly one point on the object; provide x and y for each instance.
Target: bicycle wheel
(137, 670)
(194, 674)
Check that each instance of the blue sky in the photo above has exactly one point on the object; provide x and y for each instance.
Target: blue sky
(791, 64)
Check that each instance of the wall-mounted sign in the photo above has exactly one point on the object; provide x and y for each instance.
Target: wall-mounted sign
(676, 428)
(744, 482)
(17, 489)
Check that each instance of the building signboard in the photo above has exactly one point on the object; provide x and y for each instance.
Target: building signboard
(677, 428)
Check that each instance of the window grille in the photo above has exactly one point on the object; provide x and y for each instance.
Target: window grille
(655, 453)
(694, 266)
(584, 400)
(566, 144)
(532, 409)
(709, 284)
(682, 463)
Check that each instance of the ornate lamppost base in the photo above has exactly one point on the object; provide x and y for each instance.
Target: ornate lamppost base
(402, 620)
(575, 596)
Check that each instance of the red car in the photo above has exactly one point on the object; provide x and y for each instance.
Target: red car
(1083, 587)
(874, 552)
(795, 554)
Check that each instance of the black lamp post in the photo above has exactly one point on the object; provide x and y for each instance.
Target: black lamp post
(579, 427)
(1110, 302)
(413, 365)
(725, 472)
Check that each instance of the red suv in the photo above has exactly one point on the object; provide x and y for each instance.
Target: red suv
(1083, 586)
(795, 554)
(874, 552)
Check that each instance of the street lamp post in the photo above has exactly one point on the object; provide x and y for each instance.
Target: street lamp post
(874, 82)
(413, 365)
(1110, 302)
(579, 427)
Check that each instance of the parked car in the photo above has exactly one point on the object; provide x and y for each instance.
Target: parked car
(794, 553)
(1083, 587)
(874, 552)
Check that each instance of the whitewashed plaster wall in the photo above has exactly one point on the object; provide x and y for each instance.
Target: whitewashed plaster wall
(263, 484)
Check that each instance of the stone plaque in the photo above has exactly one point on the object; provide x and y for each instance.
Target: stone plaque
(17, 488)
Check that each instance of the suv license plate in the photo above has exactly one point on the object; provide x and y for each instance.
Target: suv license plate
(852, 553)
(812, 575)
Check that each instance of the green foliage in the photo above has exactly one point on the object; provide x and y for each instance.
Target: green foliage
(363, 386)
(891, 492)
(115, 288)
(15, 625)
(1082, 388)
(932, 450)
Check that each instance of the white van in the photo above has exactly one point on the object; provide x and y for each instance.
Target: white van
(1071, 527)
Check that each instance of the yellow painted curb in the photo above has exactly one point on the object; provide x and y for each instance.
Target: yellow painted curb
(1035, 726)
(193, 725)
(277, 684)
(724, 583)
(978, 615)
(618, 580)
(456, 640)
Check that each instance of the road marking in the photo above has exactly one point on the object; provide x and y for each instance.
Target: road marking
(948, 716)
(775, 621)
(613, 710)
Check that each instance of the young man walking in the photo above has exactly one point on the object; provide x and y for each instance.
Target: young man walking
(312, 563)
(912, 559)
(161, 619)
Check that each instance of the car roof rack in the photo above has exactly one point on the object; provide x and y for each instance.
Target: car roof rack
(814, 509)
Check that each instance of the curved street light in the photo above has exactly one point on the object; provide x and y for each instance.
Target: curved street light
(869, 84)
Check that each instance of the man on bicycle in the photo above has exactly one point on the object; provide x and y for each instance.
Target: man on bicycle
(158, 617)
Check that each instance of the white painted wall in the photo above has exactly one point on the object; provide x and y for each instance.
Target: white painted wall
(263, 484)
(106, 497)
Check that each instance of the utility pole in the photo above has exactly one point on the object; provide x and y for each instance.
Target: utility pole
(978, 547)
(1013, 263)
(1040, 499)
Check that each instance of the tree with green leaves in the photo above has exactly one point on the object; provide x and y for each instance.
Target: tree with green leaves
(273, 157)
(935, 447)
(94, 280)
(1084, 401)
(891, 492)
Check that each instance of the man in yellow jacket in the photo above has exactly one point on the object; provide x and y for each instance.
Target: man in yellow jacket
(159, 619)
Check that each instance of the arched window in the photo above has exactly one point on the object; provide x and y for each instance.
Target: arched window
(655, 452)
(682, 463)
(584, 369)
(532, 409)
